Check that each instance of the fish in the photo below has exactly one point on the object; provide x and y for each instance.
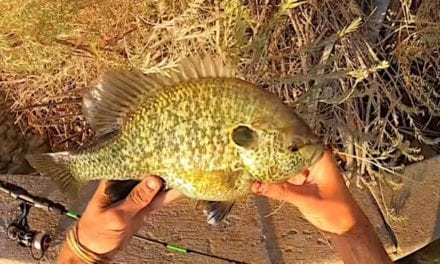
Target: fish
(208, 133)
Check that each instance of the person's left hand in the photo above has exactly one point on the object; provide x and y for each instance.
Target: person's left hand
(105, 229)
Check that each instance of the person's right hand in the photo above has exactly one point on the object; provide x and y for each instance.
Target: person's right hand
(320, 194)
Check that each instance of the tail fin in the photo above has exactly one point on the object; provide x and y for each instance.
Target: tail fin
(56, 166)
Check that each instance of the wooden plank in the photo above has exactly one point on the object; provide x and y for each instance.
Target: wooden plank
(250, 235)
(416, 207)
(179, 224)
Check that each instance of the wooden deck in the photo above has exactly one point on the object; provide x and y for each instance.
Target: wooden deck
(249, 235)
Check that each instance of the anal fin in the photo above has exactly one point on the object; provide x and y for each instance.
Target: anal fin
(216, 211)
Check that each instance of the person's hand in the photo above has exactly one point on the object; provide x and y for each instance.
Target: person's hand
(105, 229)
(320, 194)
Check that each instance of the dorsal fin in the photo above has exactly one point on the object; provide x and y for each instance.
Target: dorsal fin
(115, 95)
(119, 93)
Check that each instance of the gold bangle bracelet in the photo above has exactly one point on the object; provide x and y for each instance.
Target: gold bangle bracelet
(86, 255)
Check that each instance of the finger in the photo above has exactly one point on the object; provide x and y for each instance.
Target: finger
(299, 179)
(161, 199)
(99, 200)
(164, 198)
(328, 176)
(141, 196)
(296, 195)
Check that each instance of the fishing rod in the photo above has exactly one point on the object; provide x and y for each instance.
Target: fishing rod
(20, 231)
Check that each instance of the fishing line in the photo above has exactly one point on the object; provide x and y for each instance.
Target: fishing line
(26, 237)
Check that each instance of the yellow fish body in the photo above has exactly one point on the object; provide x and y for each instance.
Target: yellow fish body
(205, 132)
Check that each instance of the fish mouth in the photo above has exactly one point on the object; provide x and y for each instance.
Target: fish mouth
(317, 154)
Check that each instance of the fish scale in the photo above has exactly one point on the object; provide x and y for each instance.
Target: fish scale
(207, 133)
(154, 160)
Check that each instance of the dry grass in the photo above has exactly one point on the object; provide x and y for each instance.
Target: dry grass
(368, 99)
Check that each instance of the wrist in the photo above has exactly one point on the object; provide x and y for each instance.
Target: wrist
(360, 244)
(91, 237)
(85, 239)
(84, 254)
(343, 217)
(67, 256)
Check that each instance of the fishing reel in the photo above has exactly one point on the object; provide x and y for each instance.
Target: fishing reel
(20, 231)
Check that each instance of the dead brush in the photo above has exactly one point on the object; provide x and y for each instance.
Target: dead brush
(364, 98)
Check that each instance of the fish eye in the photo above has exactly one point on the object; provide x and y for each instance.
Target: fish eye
(293, 148)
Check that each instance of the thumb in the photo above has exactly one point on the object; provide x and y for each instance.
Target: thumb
(297, 195)
(142, 195)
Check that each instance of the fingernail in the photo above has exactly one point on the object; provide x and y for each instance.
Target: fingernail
(152, 184)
